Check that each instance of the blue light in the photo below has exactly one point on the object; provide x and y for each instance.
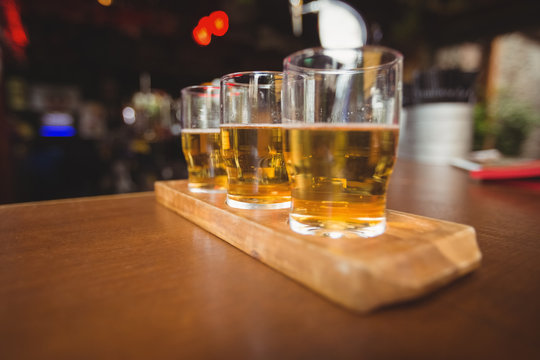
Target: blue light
(56, 131)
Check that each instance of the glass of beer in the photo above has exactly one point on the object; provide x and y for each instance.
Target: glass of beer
(252, 140)
(340, 138)
(201, 143)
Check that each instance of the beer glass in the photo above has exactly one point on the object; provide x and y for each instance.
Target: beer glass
(252, 140)
(340, 138)
(200, 139)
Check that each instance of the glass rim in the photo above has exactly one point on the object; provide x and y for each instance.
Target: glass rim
(288, 65)
(200, 90)
(224, 80)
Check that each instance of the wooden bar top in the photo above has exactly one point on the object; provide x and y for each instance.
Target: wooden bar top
(123, 277)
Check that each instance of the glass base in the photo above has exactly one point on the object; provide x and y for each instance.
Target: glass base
(195, 189)
(254, 205)
(360, 228)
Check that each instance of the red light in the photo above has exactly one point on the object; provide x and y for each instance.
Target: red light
(205, 21)
(15, 30)
(219, 23)
(215, 24)
(202, 34)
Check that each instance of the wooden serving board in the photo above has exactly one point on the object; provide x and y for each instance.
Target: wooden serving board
(414, 256)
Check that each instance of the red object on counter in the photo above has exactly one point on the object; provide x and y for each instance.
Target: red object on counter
(527, 169)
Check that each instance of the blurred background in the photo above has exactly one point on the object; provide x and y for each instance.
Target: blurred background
(89, 89)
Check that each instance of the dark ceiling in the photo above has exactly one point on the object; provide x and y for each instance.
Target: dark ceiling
(80, 41)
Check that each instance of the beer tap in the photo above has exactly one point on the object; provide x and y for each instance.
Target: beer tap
(340, 25)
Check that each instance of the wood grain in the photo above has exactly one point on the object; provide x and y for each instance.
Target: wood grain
(414, 256)
(123, 277)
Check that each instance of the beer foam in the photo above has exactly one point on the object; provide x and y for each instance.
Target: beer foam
(251, 125)
(200, 131)
(340, 126)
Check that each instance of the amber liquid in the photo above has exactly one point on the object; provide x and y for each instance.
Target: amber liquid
(253, 156)
(339, 176)
(206, 169)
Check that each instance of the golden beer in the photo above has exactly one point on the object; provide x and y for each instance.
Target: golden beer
(202, 150)
(339, 175)
(253, 156)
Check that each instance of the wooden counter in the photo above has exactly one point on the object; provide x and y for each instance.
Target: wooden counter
(124, 277)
